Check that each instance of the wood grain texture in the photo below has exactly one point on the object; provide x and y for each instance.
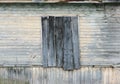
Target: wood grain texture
(68, 45)
(20, 39)
(39, 75)
(59, 40)
(75, 39)
(51, 42)
(45, 28)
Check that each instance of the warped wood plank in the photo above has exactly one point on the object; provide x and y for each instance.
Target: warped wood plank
(59, 40)
(68, 45)
(51, 56)
(45, 30)
(75, 37)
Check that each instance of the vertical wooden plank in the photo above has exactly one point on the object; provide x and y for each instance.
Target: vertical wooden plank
(45, 76)
(94, 76)
(111, 76)
(70, 77)
(45, 29)
(91, 77)
(59, 40)
(75, 37)
(117, 76)
(76, 77)
(35, 75)
(82, 76)
(52, 56)
(68, 47)
(87, 76)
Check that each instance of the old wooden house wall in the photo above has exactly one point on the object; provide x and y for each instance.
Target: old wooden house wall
(20, 44)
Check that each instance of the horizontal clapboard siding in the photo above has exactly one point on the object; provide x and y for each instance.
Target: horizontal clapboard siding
(20, 40)
(86, 75)
(21, 35)
(99, 40)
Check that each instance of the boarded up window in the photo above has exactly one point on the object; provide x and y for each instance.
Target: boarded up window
(60, 42)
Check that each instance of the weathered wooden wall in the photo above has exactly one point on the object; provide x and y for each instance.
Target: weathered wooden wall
(21, 37)
(20, 40)
(85, 75)
(20, 44)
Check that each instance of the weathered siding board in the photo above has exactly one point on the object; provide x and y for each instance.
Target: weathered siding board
(99, 41)
(45, 41)
(39, 75)
(51, 43)
(20, 40)
(75, 38)
(59, 40)
(68, 45)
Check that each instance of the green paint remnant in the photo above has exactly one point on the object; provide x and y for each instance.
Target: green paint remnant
(12, 81)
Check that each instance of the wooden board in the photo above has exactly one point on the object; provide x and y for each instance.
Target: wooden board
(75, 38)
(59, 40)
(51, 43)
(45, 41)
(68, 45)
